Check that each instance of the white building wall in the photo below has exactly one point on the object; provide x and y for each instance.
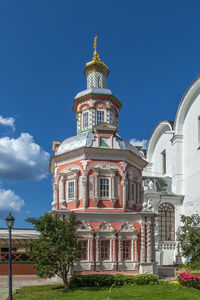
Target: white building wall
(191, 160)
(162, 144)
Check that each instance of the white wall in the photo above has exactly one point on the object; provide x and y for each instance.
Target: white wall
(191, 160)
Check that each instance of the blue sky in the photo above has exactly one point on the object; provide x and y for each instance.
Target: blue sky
(152, 49)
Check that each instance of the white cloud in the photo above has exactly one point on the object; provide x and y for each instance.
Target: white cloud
(142, 143)
(22, 159)
(7, 122)
(9, 201)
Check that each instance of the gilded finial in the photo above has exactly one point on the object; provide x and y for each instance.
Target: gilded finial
(95, 54)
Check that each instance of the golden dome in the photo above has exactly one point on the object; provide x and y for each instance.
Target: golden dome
(96, 62)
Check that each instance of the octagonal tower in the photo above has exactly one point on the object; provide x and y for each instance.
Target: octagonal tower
(98, 175)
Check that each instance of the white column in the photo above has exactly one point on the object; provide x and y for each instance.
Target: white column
(114, 251)
(62, 192)
(97, 248)
(55, 197)
(91, 252)
(149, 250)
(124, 192)
(76, 189)
(113, 186)
(84, 190)
(153, 239)
(96, 194)
(119, 249)
(136, 249)
(142, 250)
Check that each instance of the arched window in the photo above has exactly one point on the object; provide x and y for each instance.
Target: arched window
(166, 222)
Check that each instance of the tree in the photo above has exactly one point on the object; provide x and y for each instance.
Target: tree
(188, 235)
(57, 248)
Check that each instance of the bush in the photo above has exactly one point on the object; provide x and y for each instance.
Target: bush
(189, 280)
(109, 279)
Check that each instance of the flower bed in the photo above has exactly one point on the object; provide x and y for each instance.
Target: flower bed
(189, 280)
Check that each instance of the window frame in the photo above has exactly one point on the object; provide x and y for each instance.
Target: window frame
(103, 112)
(131, 249)
(87, 249)
(72, 198)
(109, 249)
(166, 222)
(83, 119)
(109, 188)
(133, 194)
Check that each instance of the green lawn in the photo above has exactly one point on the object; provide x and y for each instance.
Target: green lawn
(143, 292)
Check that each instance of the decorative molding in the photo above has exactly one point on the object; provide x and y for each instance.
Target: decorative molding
(104, 166)
(84, 163)
(167, 245)
(105, 227)
(84, 227)
(128, 227)
(124, 165)
(91, 186)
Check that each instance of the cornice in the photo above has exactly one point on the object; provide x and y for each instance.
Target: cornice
(93, 96)
(98, 153)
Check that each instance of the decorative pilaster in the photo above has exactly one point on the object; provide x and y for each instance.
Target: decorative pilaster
(142, 250)
(55, 197)
(84, 191)
(97, 252)
(113, 198)
(91, 252)
(124, 192)
(76, 189)
(96, 196)
(149, 250)
(136, 249)
(62, 192)
(114, 251)
(119, 252)
(153, 240)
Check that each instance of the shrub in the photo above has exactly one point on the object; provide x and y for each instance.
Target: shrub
(189, 280)
(109, 279)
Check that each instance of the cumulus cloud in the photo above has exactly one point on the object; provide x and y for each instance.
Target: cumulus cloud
(141, 143)
(7, 122)
(10, 202)
(22, 159)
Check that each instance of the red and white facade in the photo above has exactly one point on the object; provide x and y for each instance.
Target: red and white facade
(98, 175)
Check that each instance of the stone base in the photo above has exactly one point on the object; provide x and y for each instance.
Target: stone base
(148, 268)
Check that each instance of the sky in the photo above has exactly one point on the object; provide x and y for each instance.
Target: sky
(152, 49)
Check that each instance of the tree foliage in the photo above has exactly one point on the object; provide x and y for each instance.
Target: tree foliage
(188, 235)
(57, 247)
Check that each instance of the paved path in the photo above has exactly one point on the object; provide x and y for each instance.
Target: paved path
(19, 281)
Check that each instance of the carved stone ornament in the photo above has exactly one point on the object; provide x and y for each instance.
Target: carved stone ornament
(84, 226)
(146, 206)
(113, 200)
(127, 227)
(124, 165)
(84, 163)
(105, 227)
(96, 200)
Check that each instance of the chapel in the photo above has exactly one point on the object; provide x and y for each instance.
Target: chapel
(98, 176)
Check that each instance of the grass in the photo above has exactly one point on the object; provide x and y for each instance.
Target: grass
(163, 291)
